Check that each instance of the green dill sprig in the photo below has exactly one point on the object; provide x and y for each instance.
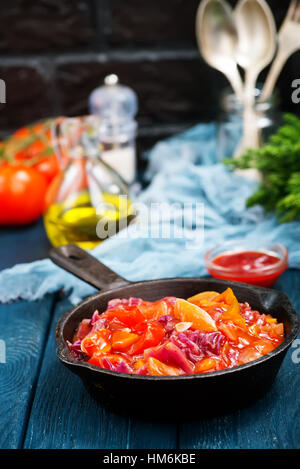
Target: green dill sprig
(279, 163)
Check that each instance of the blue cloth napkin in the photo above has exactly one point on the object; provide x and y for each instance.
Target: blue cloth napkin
(183, 170)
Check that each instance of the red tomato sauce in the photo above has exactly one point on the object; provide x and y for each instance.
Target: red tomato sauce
(247, 261)
(172, 336)
(249, 267)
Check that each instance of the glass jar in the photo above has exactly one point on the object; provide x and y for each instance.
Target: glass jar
(266, 120)
(88, 201)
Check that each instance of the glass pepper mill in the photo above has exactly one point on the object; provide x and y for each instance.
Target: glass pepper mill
(88, 201)
(116, 105)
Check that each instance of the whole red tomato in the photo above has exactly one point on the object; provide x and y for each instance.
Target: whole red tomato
(32, 146)
(49, 167)
(22, 194)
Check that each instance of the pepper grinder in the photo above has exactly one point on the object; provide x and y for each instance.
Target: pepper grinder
(116, 105)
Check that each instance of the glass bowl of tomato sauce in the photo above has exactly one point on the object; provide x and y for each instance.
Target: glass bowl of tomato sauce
(247, 261)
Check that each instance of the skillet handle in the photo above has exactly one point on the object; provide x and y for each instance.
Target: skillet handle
(86, 267)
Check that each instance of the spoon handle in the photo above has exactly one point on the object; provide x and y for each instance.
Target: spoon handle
(273, 75)
(251, 135)
(235, 80)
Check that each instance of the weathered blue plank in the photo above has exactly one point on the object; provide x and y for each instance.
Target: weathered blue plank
(151, 435)
(13, 240)
(23, 332)
(64, 416)
(272, 422)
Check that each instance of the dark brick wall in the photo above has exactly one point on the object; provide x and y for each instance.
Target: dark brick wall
(54, 52)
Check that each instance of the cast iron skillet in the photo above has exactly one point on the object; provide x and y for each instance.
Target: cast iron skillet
(191, 395)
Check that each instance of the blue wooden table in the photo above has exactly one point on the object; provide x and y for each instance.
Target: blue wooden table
(43, 405)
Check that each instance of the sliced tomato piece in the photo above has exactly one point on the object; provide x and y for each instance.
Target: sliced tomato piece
(152, 336)
(157, 368)
(254, 330)
(122, 340)
(154, 310)
(115, 324)
(272, 331)
(141, 327)
(96, 342)
(229, 330)
(278, 329)
(248, 355)
(264, 346)
(129, 315)
(188, 312)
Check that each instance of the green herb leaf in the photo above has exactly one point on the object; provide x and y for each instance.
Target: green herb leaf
(279, 162)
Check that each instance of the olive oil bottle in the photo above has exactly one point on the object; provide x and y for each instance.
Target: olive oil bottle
(88, 202)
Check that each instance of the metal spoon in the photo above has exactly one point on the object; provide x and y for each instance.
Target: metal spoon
(218, 40)
(256, 48)
(288, 43)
